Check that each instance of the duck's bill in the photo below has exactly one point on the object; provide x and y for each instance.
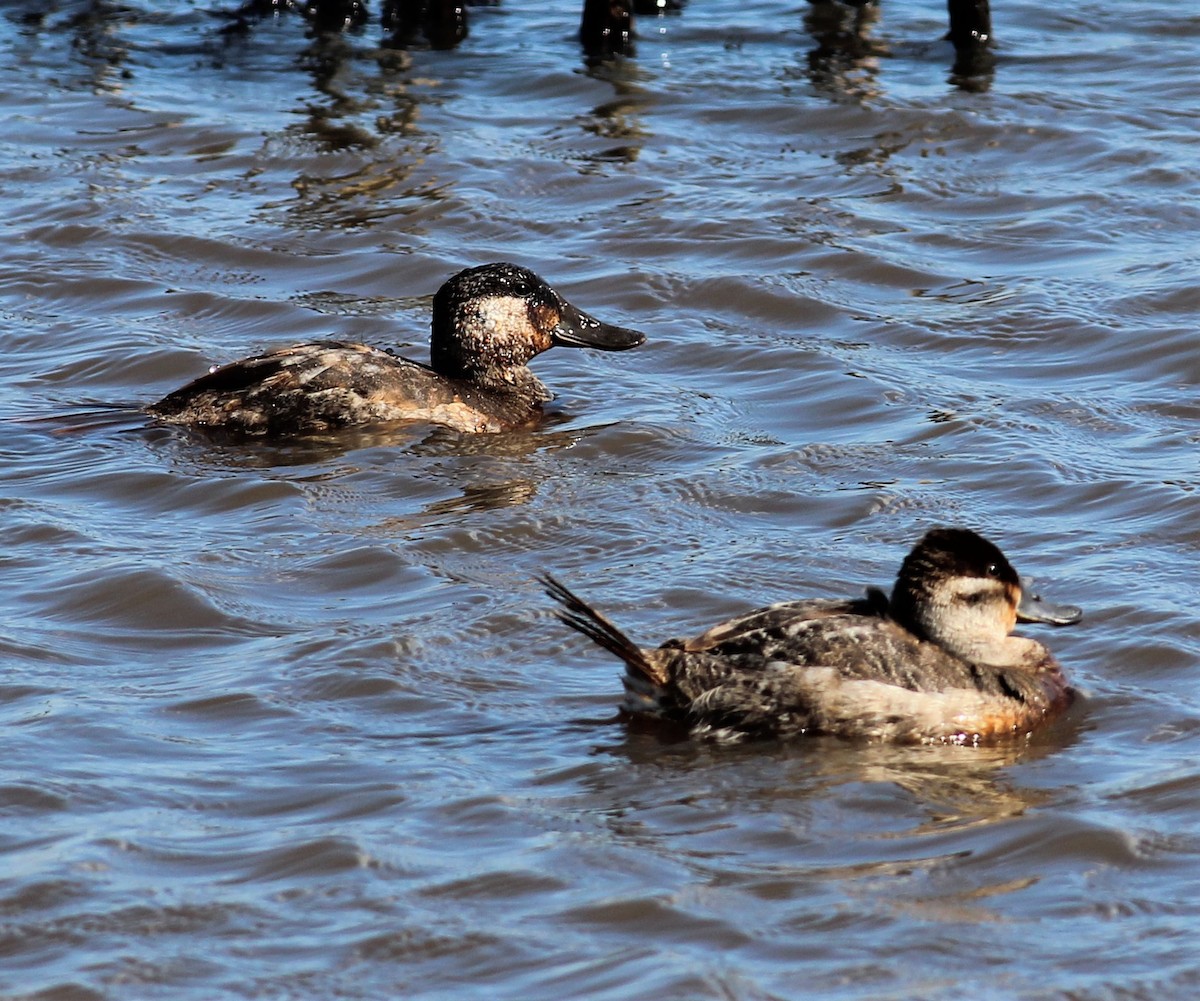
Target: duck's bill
(577, 329)
(1035, 608)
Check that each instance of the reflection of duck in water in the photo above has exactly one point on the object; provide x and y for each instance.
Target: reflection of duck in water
(488, 323)
(935, 662)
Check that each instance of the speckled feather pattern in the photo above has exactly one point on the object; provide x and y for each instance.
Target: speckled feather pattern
(326, 385)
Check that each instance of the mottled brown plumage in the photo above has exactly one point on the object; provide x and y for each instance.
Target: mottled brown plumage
(935, 662)
(488, 323)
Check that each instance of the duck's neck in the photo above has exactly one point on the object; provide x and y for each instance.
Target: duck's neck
(490, 363)
(1005, 651)
(514, 380)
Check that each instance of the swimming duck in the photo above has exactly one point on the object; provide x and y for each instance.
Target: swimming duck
(488, 323)
(932, 663)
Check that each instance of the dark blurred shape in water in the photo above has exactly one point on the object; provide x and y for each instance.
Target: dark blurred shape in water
(606, 28)
(442, 23)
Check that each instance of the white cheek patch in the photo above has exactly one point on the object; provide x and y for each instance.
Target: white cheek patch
(975, 590)
(505, 313)
(981, 607)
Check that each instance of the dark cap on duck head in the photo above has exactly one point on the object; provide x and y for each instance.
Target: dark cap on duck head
(943, 553)
(953, 552)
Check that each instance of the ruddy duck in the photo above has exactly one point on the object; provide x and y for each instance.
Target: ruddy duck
(488, 323)
(935, 662)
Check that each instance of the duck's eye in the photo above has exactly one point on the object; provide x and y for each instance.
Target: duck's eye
(521, 288)
(993, 570)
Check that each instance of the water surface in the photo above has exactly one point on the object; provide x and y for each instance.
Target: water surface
(295, 721)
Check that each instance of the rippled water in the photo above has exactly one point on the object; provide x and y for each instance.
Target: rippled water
(296, 722)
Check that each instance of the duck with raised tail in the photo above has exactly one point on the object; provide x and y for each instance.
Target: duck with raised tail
(935, 662)
(489, 322)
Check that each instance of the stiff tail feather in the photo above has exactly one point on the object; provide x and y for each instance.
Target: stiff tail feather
(581, 617)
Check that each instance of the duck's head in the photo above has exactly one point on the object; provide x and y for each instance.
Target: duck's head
(958, 590)
(490, 321)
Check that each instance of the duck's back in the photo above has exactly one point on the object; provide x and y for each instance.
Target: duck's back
(748, 632)
(856, 638)
(327, 385)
